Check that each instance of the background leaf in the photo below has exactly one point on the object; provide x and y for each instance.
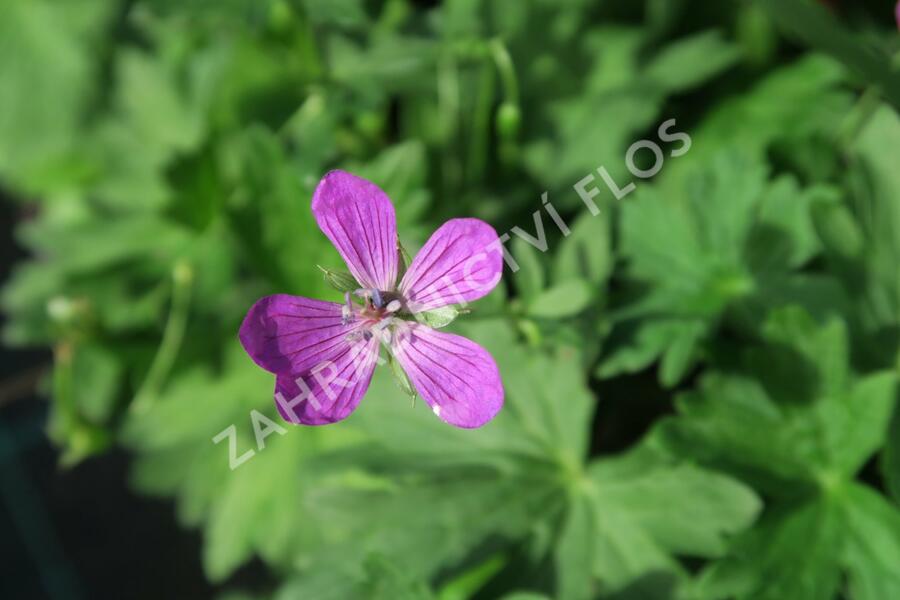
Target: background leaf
(700, 379)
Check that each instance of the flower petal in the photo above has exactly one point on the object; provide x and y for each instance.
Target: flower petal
(462, 261)
(359, 220)
(331, 390)
(457, 378)
(291, 334)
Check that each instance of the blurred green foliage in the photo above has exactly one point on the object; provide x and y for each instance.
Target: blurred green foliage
(164, 154)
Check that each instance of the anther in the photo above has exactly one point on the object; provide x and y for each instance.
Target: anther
(376, 299)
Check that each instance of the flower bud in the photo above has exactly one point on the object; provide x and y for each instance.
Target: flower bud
(509, 118)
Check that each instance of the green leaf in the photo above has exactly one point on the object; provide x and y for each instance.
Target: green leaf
(801, 549)
(682, 353)
(467, 584)
(653, 339)
(529, 279)
(759, 119)
(861, 421)
(890, 460)
(154, 106)
(574, 555)
(793, 553)
(386, 581)
(48, 65)
(389, 63)
(828, 433)
(145, 238)
(240, 513)
(685, 242)
(810, 438)
(713, 429)
(586, 253)
(96, 378)
(267, 216)
(704, 224)
(649, 507)
(248, 515)
(66, 427)
(631, 93)
(565, 299)
(756, 34)
(819, 28)
(691, 61)
(872, 281)
(785, 211)
(839, 232)
(343, 13)
(723, 241)
(872, 551)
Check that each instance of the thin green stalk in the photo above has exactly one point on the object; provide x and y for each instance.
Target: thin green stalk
(509, 113)
(508, 79)
(64, 415)
(173, 335)
(481, 122)
(448, 105)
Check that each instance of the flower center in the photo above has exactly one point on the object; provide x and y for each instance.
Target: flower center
(377, 312)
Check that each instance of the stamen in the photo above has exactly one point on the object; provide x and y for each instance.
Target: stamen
(347, 310)
(381, 329)
(371, 297)
(359, 334)
(354, 336)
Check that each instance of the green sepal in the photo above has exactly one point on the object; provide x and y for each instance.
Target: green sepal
(440, 317)
(404, 261)
(342, 281)
(402, 378)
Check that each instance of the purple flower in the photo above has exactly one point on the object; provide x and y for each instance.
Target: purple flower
(323, 353)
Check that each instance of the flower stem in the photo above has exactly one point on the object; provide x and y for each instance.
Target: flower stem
(173, 334)
(477, 155)
(508, 79)
(64, 413)
(448, 106)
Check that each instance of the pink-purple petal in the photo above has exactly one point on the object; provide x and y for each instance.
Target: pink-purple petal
(322, 368)
(461, 262)
(358, 218)
(457, 378)
(331, 390)
(283, 333)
